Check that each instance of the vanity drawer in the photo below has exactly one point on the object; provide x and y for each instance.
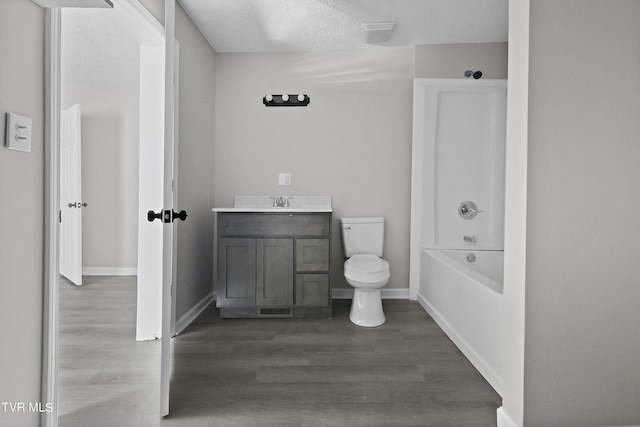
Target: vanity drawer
(273, 224)
(312, 255)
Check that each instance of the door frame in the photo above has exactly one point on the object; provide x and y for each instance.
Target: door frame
(52, 73)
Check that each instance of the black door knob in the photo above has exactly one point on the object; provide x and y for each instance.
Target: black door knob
(151, 216)
(182, 215)
(166, 216)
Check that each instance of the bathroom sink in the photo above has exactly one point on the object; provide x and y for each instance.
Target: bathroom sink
(266, 204)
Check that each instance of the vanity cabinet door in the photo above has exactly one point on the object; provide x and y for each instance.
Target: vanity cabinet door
(236, 272)
(274, 272)
(312, 290)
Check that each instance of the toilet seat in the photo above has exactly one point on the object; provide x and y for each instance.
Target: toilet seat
(366, 268)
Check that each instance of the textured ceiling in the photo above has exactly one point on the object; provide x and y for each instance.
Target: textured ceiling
(101, 47)
(308, 25)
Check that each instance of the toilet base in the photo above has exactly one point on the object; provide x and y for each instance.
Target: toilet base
(366, 308)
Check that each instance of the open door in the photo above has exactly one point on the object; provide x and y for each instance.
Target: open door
(151, 192)
(168, 213)
(71, 195)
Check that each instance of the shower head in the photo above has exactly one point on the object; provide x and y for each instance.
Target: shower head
(475, 74)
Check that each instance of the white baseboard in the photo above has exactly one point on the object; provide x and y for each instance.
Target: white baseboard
(347, 293)
(504, 419)
(193, 313)
(109, 271)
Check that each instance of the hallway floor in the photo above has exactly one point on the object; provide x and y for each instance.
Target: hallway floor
(263, 372)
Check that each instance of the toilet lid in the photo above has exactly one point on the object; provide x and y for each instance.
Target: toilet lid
(366, 263)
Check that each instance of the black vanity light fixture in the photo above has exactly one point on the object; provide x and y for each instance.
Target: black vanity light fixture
(286, 100)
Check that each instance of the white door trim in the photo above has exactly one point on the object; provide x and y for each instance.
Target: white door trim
(51, 222)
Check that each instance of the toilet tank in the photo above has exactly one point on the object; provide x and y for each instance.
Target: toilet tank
(362, 236)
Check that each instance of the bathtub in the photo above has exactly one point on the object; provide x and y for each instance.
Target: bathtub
(465, 300)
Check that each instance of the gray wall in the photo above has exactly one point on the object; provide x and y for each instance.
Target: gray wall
(582, 342)
(352, 142)
(452, 60)
(156, 8)
(195, 169)
(110, 153)
(21, 208)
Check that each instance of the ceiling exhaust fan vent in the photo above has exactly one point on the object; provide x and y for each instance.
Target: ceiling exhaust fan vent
(378, 32)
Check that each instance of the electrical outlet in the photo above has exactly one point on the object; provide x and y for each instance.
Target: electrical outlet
(284, 179)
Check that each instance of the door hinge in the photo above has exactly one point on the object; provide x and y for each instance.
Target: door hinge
(60, 216)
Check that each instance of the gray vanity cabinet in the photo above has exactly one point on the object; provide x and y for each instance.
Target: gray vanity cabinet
(273, 264)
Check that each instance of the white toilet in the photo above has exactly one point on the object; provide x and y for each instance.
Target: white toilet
(362, 240)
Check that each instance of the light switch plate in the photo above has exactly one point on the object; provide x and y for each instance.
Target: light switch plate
(18, 132)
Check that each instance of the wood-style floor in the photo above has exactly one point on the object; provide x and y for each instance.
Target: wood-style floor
(264, 372)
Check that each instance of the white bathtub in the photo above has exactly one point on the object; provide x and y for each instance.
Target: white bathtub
(465, 299)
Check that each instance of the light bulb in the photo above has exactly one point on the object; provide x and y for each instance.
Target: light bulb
(285, 97)
(269, 97)
(301, 97)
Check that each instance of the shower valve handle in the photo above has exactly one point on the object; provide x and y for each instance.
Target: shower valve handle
(468, 210)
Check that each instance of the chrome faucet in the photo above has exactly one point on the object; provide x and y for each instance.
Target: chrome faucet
(469, 239)
(281, 202)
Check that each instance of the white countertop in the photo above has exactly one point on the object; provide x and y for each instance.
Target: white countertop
(265, 204)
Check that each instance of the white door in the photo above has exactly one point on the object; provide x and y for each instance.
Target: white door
(151, 193)
(70, 195)
(158, 190)
(156, 226)
(158, 195)
(170, 179)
